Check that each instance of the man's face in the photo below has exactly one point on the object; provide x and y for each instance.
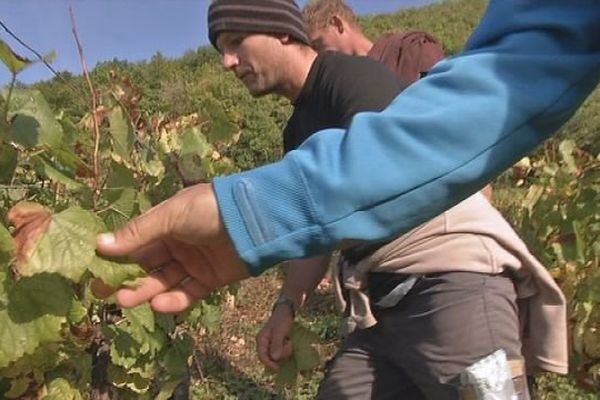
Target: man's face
(254, 59)
(329, 38)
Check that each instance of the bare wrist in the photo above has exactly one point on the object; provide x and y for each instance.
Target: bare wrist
(285, 301)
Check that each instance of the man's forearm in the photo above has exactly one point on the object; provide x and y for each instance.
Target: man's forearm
(302, 277)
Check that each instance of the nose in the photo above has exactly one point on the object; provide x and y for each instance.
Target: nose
(230, 60)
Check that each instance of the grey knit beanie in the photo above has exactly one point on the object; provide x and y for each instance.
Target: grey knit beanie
(256, 16)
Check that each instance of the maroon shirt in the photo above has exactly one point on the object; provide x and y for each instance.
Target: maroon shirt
(409, 54)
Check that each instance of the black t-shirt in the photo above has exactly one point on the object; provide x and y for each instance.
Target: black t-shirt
(337, 87)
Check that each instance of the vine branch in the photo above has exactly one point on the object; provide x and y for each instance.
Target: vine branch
(86, 74)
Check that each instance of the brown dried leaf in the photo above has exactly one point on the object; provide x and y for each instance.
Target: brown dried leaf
(31, 221)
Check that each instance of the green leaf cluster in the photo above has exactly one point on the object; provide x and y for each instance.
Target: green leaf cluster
(147, 359)
(560, 219)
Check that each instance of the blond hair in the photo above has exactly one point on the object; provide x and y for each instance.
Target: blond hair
(318, 13)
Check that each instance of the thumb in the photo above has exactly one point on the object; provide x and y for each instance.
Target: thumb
(139, 232)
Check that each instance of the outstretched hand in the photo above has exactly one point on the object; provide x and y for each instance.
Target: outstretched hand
(183, 245)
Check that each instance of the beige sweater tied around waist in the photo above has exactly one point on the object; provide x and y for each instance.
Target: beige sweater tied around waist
(471, 236)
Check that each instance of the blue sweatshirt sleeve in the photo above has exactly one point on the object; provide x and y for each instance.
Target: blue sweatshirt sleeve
(524, 72)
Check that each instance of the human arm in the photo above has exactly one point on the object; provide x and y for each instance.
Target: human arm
(525, 71)
(186, 257)
(273, 343)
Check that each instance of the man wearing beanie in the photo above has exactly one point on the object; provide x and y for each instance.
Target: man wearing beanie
(417, 301)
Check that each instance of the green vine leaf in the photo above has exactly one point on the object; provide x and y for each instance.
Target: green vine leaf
(144, 203)
(4, 285)
(44, 358)
(125, 379)
(33, 122)
(119, 178)
(123, 349)
(153, 168)
(114, 273)
(121, 133)
(43, 294)
(175, 360)
(62, 243)
(77, 313)
(150, 343)
(121, 210)
(7, 246)
(287, 375)
(167, 389)
(221, 127)
(14, 62)
(304, 353)
(18, 387)
(46, 168)
(194, 149)
(9, 158)
(193, 141)
(304, 358)
(18, 339)
(141, 316)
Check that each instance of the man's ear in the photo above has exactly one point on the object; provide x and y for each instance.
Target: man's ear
(337, 23)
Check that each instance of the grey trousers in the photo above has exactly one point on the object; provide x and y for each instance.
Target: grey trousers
(418, 349)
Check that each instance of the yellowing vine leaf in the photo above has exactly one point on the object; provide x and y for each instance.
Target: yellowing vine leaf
(14, 62)
(31, 221)
(63, 243)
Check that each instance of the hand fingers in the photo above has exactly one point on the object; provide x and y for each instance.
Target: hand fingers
(278, 342)
(151, 286)
(179, 299)
(152, 256)
(138, 233)
(263, 341)
(287, 350)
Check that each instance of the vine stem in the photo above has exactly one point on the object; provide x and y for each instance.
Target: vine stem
(86, 74)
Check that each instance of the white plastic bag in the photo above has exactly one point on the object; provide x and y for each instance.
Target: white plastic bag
(491, 378)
